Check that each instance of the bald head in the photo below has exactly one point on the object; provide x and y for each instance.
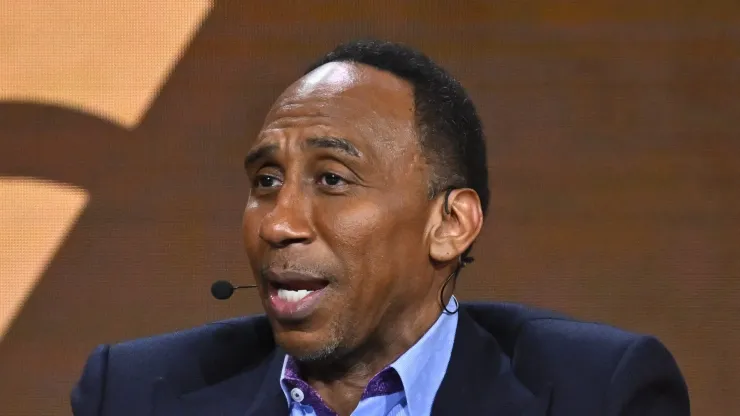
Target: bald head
(372, 108)
(375, 92)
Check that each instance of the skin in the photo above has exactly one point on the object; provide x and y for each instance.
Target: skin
(355, 211)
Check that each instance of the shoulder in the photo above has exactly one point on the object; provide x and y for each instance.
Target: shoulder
(578, 358)
(548, 341)
(190, 359)
(522, 329)
(191, 348)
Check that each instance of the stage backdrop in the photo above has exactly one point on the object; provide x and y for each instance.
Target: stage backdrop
(613, 140)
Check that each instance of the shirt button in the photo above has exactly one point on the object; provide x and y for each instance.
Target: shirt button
(296, 394)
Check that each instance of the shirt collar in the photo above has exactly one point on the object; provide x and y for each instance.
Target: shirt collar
(421, 368)
(424, 365)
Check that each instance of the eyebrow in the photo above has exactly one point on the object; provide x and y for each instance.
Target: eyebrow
(321, 142)
(331, 142)
(259, 153)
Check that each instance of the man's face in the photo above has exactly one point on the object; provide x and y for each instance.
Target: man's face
(336, 223)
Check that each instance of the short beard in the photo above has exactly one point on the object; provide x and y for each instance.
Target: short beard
(330, 351)
(327, 353)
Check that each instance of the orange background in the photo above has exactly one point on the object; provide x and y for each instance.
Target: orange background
(614, 146)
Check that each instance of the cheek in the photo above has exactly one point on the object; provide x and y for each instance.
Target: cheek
(358, 220)
(250, 229)
(352, 227)
(355, 234)
(372, 240)
(358, 239)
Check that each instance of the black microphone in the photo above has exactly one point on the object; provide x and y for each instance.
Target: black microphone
(223, 289)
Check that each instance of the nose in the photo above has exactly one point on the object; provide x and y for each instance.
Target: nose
(289, 221)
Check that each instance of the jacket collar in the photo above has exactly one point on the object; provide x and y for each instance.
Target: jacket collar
(479, 380)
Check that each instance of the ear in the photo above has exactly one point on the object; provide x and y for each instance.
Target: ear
(452, 233)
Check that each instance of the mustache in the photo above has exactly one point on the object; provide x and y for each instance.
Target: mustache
(298, 268)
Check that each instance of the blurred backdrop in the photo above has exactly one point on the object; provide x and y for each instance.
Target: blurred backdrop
(613, 143)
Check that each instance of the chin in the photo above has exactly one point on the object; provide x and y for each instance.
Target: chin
(307, 346)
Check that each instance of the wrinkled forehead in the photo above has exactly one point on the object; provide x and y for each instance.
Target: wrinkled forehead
(360, 102)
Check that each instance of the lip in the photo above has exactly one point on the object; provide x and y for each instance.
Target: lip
(285, 310)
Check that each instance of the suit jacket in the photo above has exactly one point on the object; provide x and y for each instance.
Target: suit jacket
(506, 360)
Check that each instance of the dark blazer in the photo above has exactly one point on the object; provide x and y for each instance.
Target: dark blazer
(506, 360)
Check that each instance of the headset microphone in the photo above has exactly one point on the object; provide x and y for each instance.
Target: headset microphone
(223, 289)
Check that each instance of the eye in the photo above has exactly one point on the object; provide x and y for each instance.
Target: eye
(331, 179)
(266, 181)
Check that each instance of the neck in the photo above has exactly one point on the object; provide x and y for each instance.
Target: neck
(342, 381)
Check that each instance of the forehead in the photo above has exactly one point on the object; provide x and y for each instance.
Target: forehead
(372, 108)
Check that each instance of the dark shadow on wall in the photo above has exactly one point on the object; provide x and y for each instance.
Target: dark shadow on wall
(163, 218)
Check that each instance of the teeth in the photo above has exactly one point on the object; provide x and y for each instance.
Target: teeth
(293, 295)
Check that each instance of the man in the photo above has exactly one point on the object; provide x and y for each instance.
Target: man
(369, 187)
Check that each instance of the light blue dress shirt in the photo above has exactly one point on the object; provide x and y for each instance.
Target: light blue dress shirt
(421, 370)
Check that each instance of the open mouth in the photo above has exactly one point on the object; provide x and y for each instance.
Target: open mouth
(296, 291)
(294, 296)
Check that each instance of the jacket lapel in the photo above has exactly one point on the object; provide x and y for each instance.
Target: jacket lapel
(480, 379)
(269, 398)
(252, 392)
